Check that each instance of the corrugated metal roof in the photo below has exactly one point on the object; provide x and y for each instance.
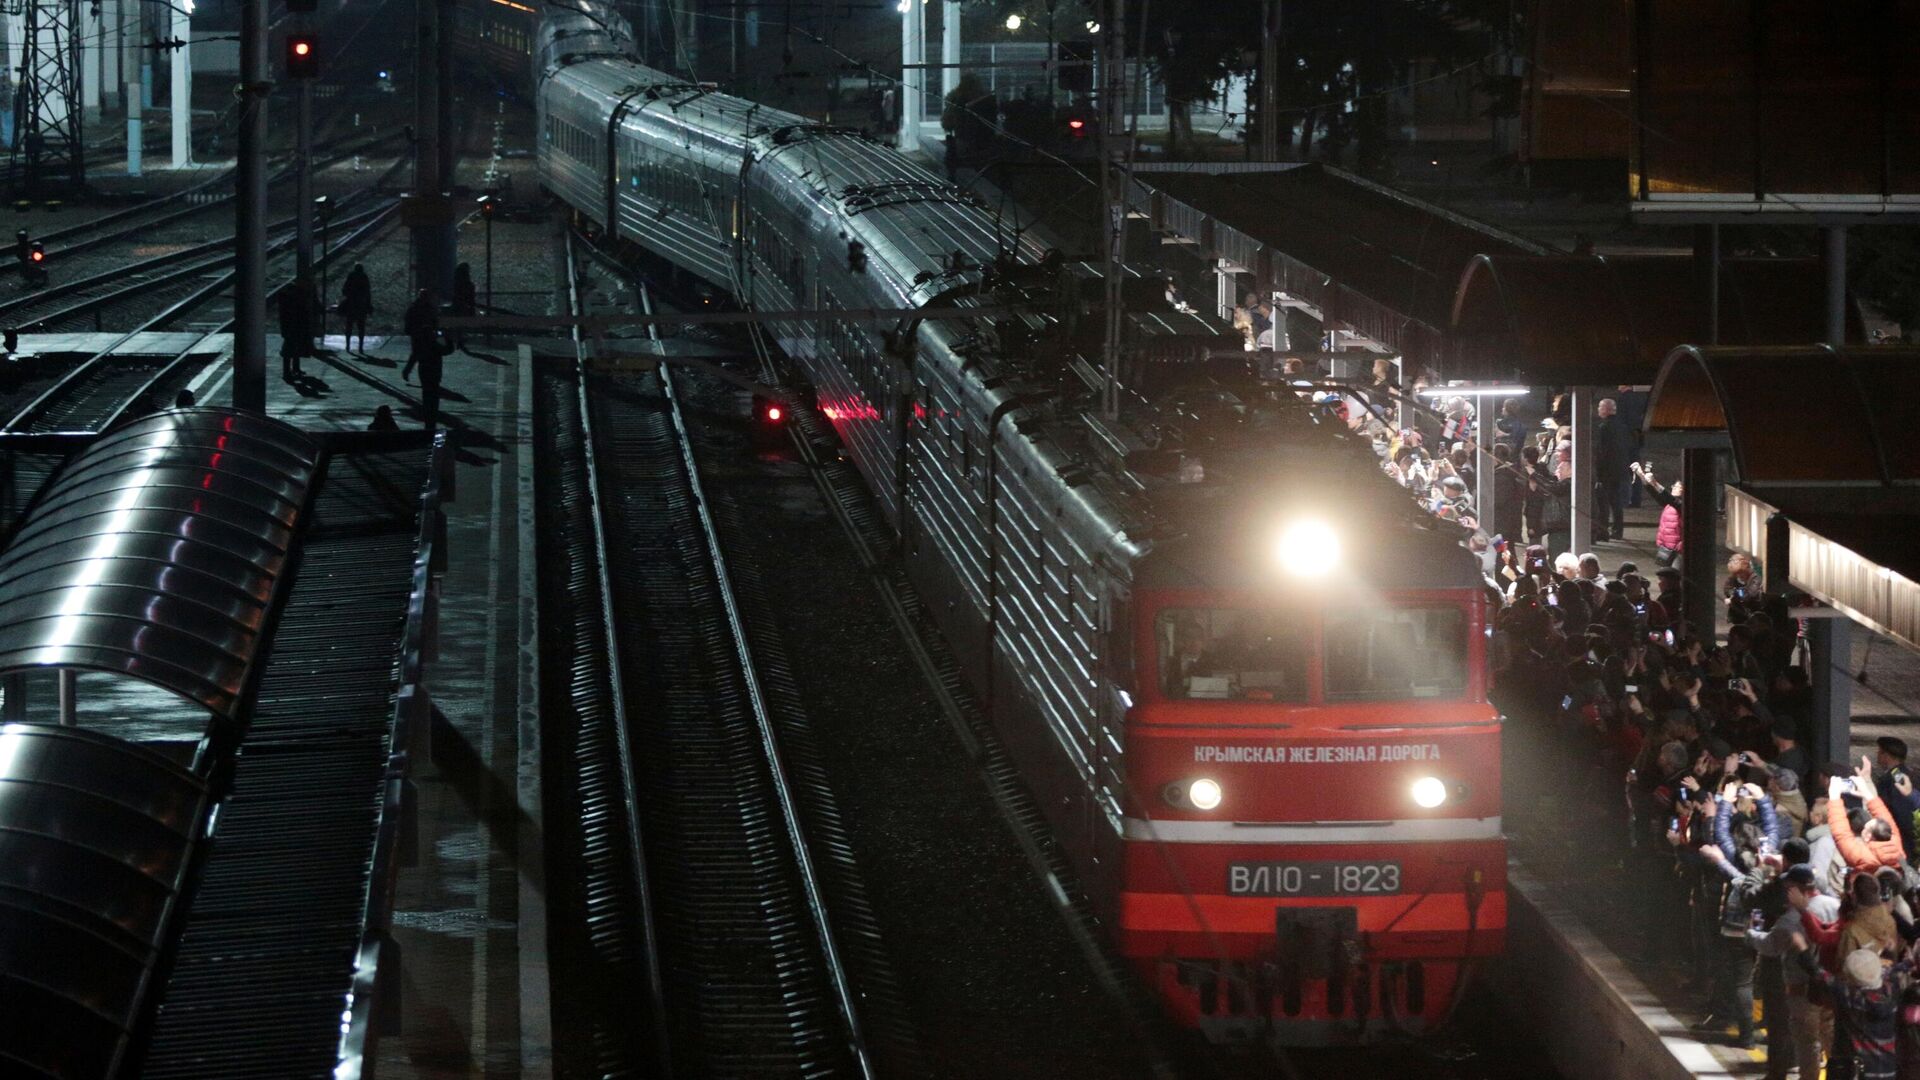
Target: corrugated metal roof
(1383, 262)
(155, 551)
(95, 839)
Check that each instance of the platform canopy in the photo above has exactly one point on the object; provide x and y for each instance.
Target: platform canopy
(1367, 256)
(1822, 438)
(96, 837)
(1611, 320)
(155, 551)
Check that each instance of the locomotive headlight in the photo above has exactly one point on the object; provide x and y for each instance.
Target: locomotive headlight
(1429, 792)
(1308, 548)
(1204, 794)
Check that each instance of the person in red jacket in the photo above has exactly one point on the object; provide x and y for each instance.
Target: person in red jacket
(1667, 538)
(1878, 844)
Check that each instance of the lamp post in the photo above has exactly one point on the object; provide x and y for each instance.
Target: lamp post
(486, 216)
(322, 209)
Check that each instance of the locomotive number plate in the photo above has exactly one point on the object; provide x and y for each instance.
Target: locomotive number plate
(1313, 879)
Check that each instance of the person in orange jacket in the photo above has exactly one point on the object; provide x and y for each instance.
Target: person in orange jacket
(1878, 844)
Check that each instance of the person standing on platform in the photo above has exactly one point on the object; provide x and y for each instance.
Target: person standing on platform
(1613, 459)
(1667, 537)
(356, 305)
(296, 327)
(1801, 1024)
(422, 318)
(466, 301)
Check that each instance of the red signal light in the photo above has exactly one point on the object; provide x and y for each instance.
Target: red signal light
(303, 57)
(37, 255)
(774, 413)
(1076, 123)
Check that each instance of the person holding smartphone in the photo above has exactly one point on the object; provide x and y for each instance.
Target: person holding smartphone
(1668, 536)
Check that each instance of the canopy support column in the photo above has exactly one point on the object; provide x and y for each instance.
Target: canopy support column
(1700, 541)
(1832, 645)
(69, 697)
(1581, 493)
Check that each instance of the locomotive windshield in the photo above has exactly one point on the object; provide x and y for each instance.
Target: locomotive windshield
(1235, 654)
(1370, 653)
(1392, 654)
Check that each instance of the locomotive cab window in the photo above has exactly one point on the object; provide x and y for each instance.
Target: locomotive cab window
(1395, 654)
(1233, 654)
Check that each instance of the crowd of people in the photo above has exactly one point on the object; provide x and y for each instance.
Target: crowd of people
(1763, 871)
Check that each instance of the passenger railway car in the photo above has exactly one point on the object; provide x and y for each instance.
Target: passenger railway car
(1240, 670)
(494, 41)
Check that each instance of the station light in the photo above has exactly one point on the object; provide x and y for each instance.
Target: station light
(1308, 548)
(1429, 792)
(303, 56)
(1472, 390)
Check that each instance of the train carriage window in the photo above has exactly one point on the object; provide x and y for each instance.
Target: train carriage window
(1395, 654)
(1233, 654)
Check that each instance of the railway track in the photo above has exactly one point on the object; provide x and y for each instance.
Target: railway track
(124, 293)
(709, 863)
(94, 393)
(95, 246)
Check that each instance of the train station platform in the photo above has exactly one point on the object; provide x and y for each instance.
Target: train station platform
(469, 915)
(1577, 967)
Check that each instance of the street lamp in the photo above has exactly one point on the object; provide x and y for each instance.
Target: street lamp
(487, 205)
(1014, 21)
(323, 209)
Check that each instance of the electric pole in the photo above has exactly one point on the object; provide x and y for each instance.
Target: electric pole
(49, 135)
(1114, 140)
(250, 212)
(429, 213)
(1269, 76)
(303, 181)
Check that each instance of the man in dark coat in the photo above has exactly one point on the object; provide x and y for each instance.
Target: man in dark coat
(1613, 456)
(421, 320)
(296, 326)
(356, 305)
(428, 350)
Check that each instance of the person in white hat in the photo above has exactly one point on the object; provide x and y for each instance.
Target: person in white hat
(1864, 993)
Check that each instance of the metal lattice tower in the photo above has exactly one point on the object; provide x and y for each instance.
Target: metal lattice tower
(47, 147)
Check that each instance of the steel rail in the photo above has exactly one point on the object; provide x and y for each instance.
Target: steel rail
(118, 216)
(763, 721)
(630, 802)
